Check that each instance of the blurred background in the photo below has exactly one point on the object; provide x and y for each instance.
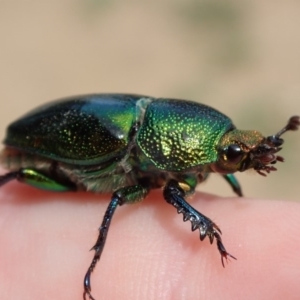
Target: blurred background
(241, 57)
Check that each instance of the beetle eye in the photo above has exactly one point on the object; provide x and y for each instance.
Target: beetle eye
(234, 153)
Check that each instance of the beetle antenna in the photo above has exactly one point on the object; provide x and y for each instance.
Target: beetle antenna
(293, 124)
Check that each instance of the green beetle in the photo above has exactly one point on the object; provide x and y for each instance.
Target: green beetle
(130, 144)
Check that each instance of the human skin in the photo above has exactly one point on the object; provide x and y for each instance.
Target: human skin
(150, 253)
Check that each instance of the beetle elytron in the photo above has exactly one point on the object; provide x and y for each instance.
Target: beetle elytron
(130, 144)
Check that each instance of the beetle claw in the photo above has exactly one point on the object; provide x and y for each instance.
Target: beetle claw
(87, 293)
(222, 250)
(227, 256)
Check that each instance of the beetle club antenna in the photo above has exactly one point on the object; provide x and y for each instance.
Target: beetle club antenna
(292, 125)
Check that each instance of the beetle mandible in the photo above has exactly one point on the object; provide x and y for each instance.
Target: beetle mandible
(129, 144)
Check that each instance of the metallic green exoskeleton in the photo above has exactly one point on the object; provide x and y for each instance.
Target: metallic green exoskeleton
(130, 144)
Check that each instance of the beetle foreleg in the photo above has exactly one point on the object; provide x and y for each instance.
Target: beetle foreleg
(174, 195)
(233, 182)
(128, 194)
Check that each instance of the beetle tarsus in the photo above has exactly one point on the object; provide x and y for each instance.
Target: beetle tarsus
(222, 250)
(87, 284)
(174, 195)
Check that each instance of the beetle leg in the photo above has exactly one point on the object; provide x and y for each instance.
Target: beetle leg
(129, 194)
(8, 177)
(174, 195)
(38, 180)
(233, 182)
(115, 201)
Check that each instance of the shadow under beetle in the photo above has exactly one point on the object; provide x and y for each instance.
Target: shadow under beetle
(130, 144)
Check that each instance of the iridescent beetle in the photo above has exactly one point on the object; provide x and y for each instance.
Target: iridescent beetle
(130, 144)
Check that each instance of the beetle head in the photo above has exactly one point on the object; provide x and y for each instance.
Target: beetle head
(240, 150)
